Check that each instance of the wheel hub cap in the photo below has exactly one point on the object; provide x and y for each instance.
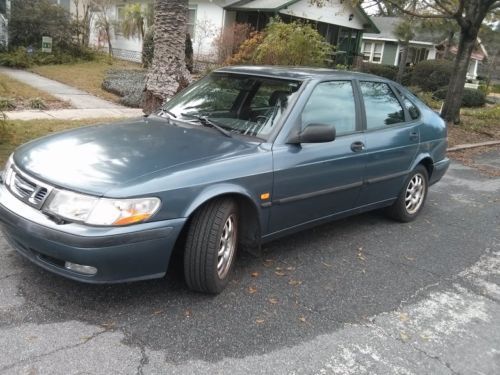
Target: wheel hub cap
(227, 247)
(415, 192)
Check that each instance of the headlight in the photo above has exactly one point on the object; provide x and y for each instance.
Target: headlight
(102, 211)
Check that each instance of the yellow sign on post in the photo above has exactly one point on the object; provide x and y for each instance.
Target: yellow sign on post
(46, 44)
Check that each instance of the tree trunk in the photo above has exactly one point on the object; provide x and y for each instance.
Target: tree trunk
(402, 61)
(168, 73)
(447, 45)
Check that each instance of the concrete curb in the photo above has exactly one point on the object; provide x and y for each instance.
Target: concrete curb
(472, 145)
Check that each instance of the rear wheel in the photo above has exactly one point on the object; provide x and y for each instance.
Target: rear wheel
(211, 246)
(412, 197)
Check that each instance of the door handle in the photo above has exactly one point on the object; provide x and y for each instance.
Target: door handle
(414, 136)
(357, 146)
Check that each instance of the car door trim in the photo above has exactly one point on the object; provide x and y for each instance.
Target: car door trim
(316, 193)
(386, 177)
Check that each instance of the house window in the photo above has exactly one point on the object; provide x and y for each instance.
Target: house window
(372, 52)
(120, 12)
(191, 23)
(65, 4)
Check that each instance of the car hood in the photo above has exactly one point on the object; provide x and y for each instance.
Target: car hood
(98, 158)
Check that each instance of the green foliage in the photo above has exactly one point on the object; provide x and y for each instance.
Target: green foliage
(431, 75)
(7, 104)
(32, 19)
(386, 71)
(188, 51)
(148, 48)
(281, 43)
(20, 58)
(37, 103)
(294, 43)
(471, 97)
(133, 24)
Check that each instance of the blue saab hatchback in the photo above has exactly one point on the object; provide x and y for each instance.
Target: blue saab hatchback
(243, 156)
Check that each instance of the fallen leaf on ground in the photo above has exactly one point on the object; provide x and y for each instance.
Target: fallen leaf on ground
(259, 321)
(255, 274)
(302, 319)
(361, 257)
(326, 264)
(273, 301)
(280, 273)
(268, 263)
(293, 282)
(252, 289)
(278, 268)
(404, 317)
(157, 312)
(409, 258)
(188, 313)
(290, 268)
(404, 336)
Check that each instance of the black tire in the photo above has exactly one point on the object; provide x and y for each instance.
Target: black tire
(203, 242)
(399, 211)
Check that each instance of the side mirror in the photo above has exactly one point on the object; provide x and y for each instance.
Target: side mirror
(314, 133)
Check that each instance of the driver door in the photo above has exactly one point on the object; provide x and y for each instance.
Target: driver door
(318, 180)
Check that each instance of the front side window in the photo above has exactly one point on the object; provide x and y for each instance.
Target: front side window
(381, 105)
(248, 105)
(191, 22)
(332, 103)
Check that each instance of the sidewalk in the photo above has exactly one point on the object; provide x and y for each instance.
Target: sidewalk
(74, 114)
(84, 105)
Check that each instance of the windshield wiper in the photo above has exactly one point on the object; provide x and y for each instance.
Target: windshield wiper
(170, 113)
(204, 120)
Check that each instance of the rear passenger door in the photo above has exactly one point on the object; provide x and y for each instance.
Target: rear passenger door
(392, 141)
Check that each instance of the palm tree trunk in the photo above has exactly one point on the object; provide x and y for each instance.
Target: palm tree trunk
(168, 73)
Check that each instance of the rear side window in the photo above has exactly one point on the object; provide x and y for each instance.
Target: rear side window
(381, 105)
(332, 103)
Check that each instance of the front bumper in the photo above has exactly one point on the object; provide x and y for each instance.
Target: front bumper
(120, 254)
(438, 170)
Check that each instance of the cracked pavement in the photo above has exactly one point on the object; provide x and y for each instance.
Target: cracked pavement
(362, 295)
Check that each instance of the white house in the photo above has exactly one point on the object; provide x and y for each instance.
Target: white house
(341, 23)
(385, 47)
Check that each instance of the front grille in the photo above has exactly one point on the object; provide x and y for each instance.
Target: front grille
(26, 188)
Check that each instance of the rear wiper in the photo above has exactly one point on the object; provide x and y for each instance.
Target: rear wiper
(204, 120)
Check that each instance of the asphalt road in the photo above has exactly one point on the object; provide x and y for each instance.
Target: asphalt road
(360, 295)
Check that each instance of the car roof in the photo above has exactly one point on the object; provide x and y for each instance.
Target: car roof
(300, 73)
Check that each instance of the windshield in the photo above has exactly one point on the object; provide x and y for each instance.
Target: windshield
(247, 105)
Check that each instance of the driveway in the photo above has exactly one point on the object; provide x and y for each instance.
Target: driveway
(360, 295)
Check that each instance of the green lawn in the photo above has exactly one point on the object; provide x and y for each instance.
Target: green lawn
(87, 76)
(15, 133)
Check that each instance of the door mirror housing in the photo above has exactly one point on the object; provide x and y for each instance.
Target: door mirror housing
(314, 133)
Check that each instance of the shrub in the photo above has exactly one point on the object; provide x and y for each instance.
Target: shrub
(228, 42)
(148, 48)
(188, 52)
(129, 84)
(37, 103)
(7, 104)
(386, 71)
(32, 19)
(430, 75)
(281, 43)
(246, 52)
(471, 97)
(20, 58)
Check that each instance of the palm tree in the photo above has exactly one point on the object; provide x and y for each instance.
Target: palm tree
(168, 73)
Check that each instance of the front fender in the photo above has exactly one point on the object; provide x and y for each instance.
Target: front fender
(217, 190)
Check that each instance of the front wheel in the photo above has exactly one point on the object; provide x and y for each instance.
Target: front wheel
(211, 246)
(412, 197)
